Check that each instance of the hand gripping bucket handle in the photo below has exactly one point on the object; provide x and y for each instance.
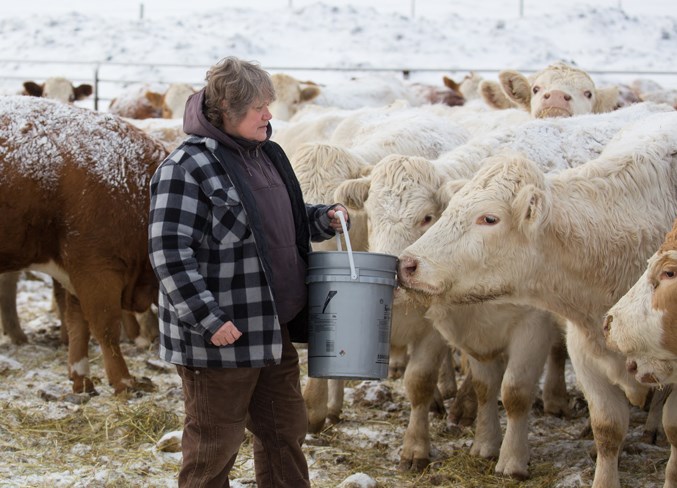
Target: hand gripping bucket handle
(342, 218)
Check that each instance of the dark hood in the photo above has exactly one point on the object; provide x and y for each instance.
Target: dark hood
(195, 123)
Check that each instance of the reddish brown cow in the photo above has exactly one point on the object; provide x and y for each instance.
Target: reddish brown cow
(74, 204)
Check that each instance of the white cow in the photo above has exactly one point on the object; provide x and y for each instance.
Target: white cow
(559, 90)
(322, 167)
(168, 131)
(554, 143)
(403, 197)
(367, 91)
(571, 242)
(312, 123)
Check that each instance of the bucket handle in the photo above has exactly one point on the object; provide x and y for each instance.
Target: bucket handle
(353, 272)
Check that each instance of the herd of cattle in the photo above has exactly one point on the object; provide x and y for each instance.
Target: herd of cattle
(523, 211)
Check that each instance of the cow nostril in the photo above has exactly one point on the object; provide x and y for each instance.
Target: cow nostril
(631, 366)
(567, 98)
(407, 267)
(546, 96)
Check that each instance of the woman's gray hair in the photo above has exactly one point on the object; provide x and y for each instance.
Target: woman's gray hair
(234, 85)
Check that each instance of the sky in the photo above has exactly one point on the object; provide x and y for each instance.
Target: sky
(127, 42)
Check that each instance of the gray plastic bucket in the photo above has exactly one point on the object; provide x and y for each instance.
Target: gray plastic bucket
(350, 301)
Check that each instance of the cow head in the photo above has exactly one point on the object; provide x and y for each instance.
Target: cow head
(403, 197)
(559, 90)
(643, 323)
(290, 94)
(58, 89)
(477, 249)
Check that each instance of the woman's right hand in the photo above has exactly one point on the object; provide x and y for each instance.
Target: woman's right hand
(227, 334)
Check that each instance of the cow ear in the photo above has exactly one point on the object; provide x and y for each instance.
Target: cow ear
(516, 87)
(353, 193)
(449, 83)
(448, 190)
(530, 209)
(33, 89)
(606, 100)
(493, 95)
(309, 93)
(156, 99)
(83, 91)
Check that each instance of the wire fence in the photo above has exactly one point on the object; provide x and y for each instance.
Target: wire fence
(109, 79)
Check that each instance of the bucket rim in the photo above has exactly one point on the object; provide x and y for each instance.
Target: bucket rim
(355, 252)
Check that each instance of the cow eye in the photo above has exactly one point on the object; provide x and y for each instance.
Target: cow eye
(668, 274)
(587, 93)
(488, 220)
(427, 219)
(536, 89)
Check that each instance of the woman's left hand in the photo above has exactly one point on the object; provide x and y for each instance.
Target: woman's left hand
(335, 222)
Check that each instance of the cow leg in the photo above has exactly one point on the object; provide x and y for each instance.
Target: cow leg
(335, 401)
(398, 361)
(59, 300)
(324, 401)
(315, 395)
(653, 427)
(78, 345)
(609, 411)
(555, 396)
(670, 426)
(130, 326)
(101, 307)
(446, 380)
(518, 391)
(486, 381)
(463, 409)
(8, 313)
(420, 383)
(150, 328)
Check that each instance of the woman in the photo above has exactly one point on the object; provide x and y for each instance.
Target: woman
(229, 235)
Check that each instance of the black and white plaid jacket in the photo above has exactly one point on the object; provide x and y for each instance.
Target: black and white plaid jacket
(208, 250)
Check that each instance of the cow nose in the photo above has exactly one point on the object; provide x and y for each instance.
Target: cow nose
(631, 366)
(406, 268)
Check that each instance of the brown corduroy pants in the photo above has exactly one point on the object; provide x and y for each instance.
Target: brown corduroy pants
(221, 402)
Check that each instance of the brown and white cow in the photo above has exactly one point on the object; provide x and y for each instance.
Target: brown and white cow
(139, 102)
(571, 242)
(643, 326)
(559, 90)
(74, 200)
(62, 90)
(643, 323)
(58, 88)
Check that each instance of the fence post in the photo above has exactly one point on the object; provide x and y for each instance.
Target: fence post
(96, 86)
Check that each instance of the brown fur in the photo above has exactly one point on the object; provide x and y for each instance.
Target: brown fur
(94, 231)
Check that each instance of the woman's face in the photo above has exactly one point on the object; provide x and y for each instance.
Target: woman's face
(253, 126)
